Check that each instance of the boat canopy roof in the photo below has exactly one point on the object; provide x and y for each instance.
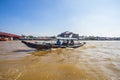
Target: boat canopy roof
(67, 38)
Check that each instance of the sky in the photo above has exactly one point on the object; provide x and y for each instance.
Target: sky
(52, 17)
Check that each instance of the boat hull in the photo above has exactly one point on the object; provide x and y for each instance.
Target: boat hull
(49, 46)
(37, 46)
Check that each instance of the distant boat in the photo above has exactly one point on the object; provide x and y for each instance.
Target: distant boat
(4, 39)
(40, 46)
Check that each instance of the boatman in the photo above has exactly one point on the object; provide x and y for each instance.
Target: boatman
(58, 42)
(72, 42)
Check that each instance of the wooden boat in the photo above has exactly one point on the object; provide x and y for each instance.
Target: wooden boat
(37, 46)
(4, 39)
(44, 46)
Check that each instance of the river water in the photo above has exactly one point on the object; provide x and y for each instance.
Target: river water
(97, 60)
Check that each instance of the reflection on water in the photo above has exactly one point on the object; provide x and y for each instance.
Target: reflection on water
(97, 60)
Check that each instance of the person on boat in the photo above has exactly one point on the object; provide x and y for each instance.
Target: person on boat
(64, 43)
(58, 42)
(72, 42)
(67, 42)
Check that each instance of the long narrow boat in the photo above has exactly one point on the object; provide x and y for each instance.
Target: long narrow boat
(4, 39)
(39, 46)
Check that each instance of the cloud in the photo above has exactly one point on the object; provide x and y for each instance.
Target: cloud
(102, 19)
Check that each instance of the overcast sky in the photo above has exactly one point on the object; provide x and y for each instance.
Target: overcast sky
(51, 17)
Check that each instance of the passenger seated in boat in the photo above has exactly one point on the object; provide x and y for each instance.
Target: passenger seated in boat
(64, 43)
(72, 42)
(67, 42)
(58, 42)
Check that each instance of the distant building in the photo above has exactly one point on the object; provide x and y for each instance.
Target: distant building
(8, 36)
(69, 34)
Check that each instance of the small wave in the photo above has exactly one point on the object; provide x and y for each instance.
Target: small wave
(88, 47)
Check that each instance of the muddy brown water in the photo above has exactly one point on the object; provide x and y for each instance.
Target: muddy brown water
(97, 60)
